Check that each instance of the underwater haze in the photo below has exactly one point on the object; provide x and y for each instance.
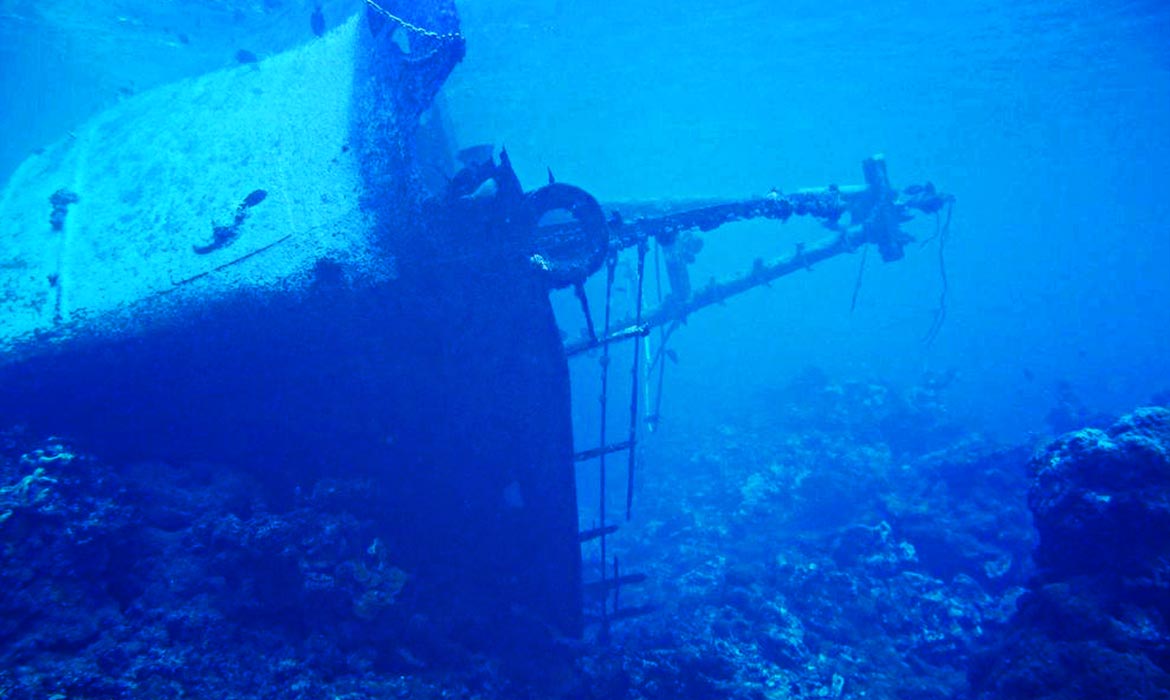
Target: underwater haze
(290, 407)
(1045, 119)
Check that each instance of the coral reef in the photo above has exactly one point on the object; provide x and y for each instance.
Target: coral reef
(153, 581)
(1096, 619)
(822, 545)
(819, 545)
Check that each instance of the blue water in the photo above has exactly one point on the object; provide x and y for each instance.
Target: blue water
(796, 426)
(1044, 119)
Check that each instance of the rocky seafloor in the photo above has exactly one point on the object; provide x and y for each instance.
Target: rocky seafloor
(826, 540)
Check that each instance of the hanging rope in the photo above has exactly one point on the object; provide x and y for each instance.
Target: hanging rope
(659, 361)
(634, 380)
(663, 334)
(610, 268)
(942, 229)
(857, 282)
(579, 290)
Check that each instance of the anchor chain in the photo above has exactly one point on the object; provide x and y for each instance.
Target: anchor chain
(411, 27)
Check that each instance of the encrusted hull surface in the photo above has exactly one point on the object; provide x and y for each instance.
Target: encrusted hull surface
(229, 269)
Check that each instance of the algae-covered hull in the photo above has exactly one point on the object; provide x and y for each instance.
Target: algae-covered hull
(103, 226)
(236, 268)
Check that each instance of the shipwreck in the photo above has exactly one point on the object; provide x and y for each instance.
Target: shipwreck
(289, 265)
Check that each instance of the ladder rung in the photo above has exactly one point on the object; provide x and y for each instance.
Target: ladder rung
(593, 343)
(595, 532)
(623, 613)
(632, 611)
(598, 451)
(599, 588)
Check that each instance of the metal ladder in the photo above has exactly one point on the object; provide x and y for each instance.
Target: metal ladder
(606, 589)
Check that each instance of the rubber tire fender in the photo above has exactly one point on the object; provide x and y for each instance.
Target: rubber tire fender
(589, 217)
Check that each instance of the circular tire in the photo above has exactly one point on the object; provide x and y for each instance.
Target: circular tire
(575, 260)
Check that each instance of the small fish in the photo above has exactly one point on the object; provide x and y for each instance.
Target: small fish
(317, 21)
(245, 56)
(254, 198)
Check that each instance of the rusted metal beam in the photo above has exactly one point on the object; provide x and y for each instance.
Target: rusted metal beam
(876, 212)
(762, 273)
